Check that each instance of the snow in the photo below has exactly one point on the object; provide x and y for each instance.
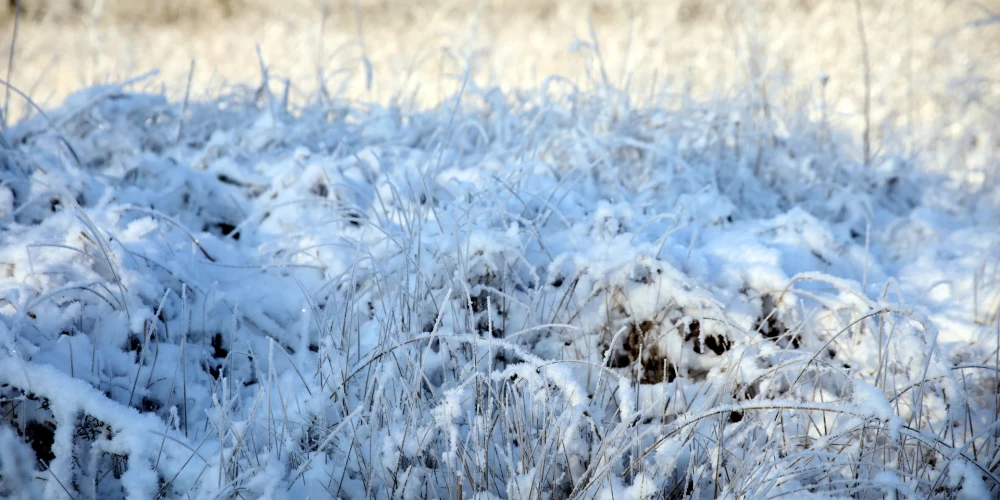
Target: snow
(503, 296)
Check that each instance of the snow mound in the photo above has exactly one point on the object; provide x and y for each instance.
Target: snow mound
(507, 296)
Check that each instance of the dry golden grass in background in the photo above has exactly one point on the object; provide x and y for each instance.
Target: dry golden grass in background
(929, 58)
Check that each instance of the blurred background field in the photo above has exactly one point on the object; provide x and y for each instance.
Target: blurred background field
(935, 64)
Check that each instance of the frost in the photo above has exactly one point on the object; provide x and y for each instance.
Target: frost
(506, 296)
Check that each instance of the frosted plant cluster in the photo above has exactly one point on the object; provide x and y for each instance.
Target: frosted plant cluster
(555, 293)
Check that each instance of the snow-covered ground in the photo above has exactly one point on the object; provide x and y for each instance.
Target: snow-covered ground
(541, 294)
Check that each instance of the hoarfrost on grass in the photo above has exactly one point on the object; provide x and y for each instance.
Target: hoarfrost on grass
(502, 297)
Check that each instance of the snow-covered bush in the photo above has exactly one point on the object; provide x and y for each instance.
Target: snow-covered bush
(508, 296)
